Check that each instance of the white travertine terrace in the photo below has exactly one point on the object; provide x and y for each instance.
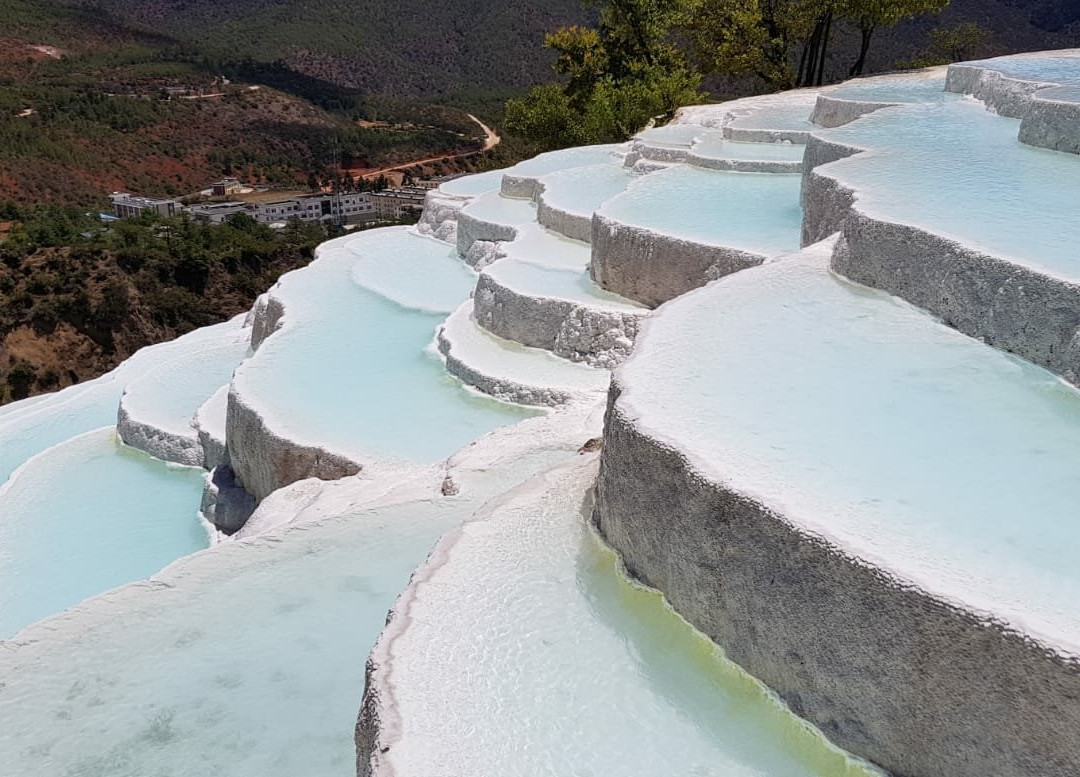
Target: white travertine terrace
(523, 179)
(155, 412)
(1009, 281)
(833, 496)
(532, 614)
(677, 229)
(865, 509)
(509, 370)
(1041, 89)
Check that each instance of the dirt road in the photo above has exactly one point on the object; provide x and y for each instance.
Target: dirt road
(491, 139)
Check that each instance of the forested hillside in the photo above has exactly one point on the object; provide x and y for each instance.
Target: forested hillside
(412, 48)
(407, 48)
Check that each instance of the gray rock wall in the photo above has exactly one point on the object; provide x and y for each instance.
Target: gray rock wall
(439, 217)
(572, 225)
(1003, 95)
(471, 229)
(836, 112)
(521, 187)
(1050, 116)
(1053, 120)
(884, 670)
(598, 337)
(825, 202)
(265, 461)
(267, 317)
(744, 165)
(652, 268)
(159, 443)
(500, 388)
(748, 135)
(1006, 305)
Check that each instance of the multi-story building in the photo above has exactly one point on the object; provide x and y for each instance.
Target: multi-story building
(340, 207)
(393, 204)
(215, 212)
(128, 206)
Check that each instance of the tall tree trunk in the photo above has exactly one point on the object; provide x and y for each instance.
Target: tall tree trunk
(823, 49)
(867, 33)
(806, 76)
(802, 63)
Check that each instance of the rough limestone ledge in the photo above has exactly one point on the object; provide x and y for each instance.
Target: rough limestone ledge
(264, 461)
(210, 424)
(884, 670)
(267, 317)
(470, 229)
(825, 202)
(666, 154)
(744, 165)
(1009, 306)
(440, 214)
(597, 336)
(576, 226)
(157, 442)
(1006, 96)
(498, 387)
(1053, 120)
(1050, 114)
(482, 253)
(651, 268)
(748, 135)
(836, 112)
(522, 187)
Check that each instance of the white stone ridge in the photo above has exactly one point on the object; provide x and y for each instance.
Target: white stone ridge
(573, 219)
(267, 316)
(1049, 112)
(743, 165)
(832, 111)
(772, 118)
(156, 411)
(522, 181)
(264, 461)
(510, 371)
(439, 217)
(161, 444)
(476, 225)
(651, 267)
(591, 327)
(803, 589)
(210, 425)
(1053, 120)
(575, 226)
(1000, 300)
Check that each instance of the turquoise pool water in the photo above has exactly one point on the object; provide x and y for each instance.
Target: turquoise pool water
(581, 190)
(86, 516)
(751, 211)
(351, 371)
(989, 190)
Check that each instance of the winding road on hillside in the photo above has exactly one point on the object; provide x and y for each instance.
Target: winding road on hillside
(491, 139)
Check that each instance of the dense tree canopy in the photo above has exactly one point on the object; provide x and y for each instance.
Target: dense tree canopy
(646, 57)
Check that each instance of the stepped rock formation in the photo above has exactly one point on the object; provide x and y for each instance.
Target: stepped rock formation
(801, 364)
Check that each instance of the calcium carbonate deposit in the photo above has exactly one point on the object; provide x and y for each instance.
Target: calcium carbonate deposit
(747, 447)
